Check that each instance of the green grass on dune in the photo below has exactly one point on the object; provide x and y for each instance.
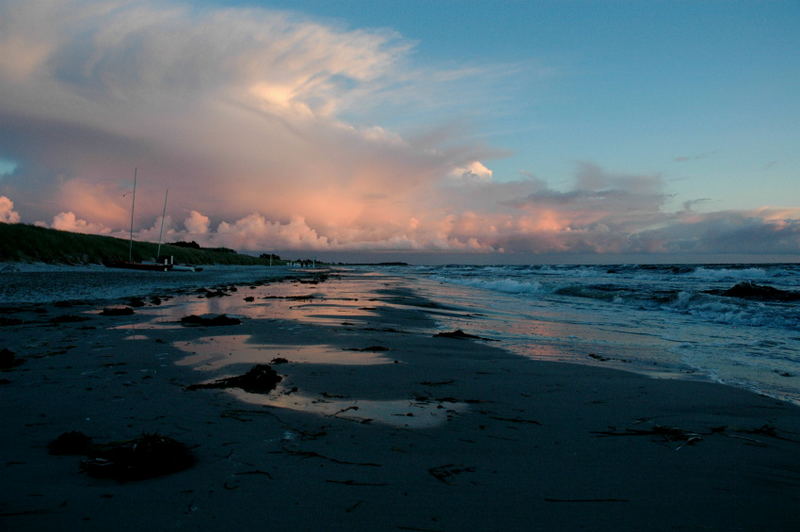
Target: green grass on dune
(28, 243)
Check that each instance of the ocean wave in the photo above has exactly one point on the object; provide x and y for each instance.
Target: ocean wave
(729, 274)
(603, 292)
(734, 312)
(505, 285)
(569, 271)
(705, 307)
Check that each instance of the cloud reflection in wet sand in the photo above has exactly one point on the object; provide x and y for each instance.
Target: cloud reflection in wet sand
(216, 352)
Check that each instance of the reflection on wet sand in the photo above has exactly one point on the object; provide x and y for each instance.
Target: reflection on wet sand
(402, 413)
(300, 325)
(216, 352)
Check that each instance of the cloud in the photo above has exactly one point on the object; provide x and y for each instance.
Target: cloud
(474, 171)
(7, 213)
(196, 223)
(67, 221)
(247, 116)
(237, 110)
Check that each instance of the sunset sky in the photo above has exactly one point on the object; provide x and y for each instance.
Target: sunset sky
(410, 130)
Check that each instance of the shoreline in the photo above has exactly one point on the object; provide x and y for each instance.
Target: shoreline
(512, 443)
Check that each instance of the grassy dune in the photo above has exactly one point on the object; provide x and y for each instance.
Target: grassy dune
(28, 243)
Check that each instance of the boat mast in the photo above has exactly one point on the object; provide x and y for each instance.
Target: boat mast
(133, 205)
(161, 233)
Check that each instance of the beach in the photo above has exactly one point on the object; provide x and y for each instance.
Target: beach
(379, 421)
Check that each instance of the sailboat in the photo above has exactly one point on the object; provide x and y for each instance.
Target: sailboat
(162, 264)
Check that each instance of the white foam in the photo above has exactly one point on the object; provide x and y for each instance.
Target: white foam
(727, 311)
(729, 274)
(508, 286)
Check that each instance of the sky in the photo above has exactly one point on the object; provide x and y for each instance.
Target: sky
(426, 131)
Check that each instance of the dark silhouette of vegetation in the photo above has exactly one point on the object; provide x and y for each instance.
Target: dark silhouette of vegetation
(29, 243)
(182, 244)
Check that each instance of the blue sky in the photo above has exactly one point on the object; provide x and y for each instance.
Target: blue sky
(631, 86)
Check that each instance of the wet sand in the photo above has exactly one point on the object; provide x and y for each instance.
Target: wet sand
(426, 433)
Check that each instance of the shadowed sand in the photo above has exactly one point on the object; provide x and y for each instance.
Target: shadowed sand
(426, 433)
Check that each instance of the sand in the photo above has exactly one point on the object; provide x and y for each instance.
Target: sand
(427, 433)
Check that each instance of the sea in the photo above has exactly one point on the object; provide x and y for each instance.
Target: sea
(666, 321)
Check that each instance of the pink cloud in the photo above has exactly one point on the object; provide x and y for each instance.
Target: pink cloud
(67, 221)
(241, 114)
(7, 213)
(196, 223)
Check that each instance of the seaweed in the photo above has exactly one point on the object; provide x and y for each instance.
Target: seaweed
(193, 320)
(261, 378)
(516, 420)
(149, 455)
(437, 383)
(443, 473)
(459, 334)
(8, 359)
(357, 483)
(667, 434)
(205, 292)
(294, 298)
(73, 442)
(117, 311)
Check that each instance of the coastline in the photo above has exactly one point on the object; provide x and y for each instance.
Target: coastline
(495, 441)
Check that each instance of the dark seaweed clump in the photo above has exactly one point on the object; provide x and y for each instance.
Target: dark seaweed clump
(73, 442)
(193, 320)
(8, 359)
(149, 455)
(117, 311)
(261, 378)
(459, 334)
(370, 349)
